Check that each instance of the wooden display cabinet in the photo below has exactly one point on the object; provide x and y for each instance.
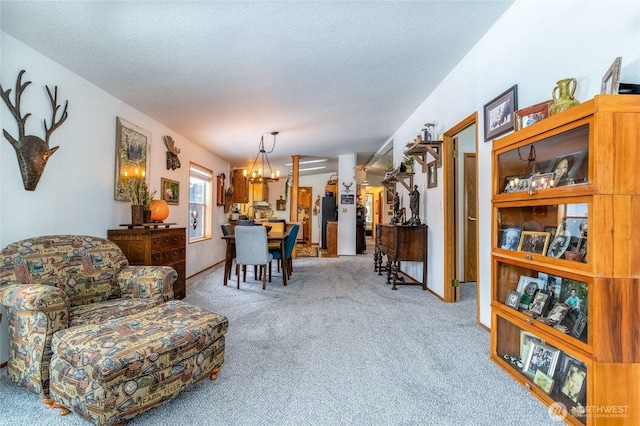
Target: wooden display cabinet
(586, 218)
(155, 246)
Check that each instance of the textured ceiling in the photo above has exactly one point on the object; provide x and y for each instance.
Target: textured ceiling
(332, 77)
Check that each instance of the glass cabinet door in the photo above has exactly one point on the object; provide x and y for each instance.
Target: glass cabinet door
(555, 161)
(552, 230)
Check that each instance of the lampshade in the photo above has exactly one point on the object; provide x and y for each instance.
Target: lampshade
(159, 210)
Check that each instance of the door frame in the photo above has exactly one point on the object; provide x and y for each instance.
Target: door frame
(451, 293)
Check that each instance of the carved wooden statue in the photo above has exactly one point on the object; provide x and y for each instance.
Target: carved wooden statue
(173, 162)
(33, 152)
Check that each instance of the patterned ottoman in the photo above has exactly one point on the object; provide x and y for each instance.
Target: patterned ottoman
(115, 370)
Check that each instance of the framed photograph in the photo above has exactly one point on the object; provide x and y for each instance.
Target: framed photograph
(540, 302)
(526, 339)
(499, 114)
(541, 181)
(281, 204)
(527, 287)
(170, 191)
(132, 153)
(579, 325)
(513, 299)
(559, 244)
(510, 238)
(432, 175)
(611, 79)
(525, 117)
(557, 313)
(390, 192)
(534, 242)
(543, 381)
(541, 358)
(575, 294)
(553, 284)
(574, 382)
(565, 167)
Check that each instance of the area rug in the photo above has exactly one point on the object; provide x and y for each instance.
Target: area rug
(304, 251)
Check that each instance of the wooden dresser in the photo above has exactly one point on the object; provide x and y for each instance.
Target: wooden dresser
(401, 243)
(155, 246)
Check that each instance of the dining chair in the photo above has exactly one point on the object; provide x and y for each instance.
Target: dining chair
(289, 243)
(227, 229)
(251, 249)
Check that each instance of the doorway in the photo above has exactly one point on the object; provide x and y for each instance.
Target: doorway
(460, 201)
(305, 195)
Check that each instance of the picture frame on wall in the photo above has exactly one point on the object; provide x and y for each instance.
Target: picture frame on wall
(132, 153)
(170, 191)
(390, 191)
(499, 117)
(525, 117)
(611, 79)
(432, 174)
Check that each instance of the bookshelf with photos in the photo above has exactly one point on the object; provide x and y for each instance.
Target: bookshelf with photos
(564, 282)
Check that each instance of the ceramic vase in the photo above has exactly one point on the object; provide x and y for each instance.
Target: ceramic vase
(563, 96)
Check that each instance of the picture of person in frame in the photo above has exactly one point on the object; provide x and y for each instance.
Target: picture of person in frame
(510, 239)
(559, 244)
(573, 383)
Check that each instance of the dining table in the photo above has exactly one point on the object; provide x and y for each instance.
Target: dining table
(272, 237)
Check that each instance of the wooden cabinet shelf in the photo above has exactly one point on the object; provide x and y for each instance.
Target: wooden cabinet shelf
(565, 197)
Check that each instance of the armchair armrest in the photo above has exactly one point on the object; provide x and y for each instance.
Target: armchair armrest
(24, 297)
(147, 282)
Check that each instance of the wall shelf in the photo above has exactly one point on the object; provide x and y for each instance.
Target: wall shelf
(419, 153)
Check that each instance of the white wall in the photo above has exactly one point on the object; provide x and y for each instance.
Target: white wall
(75, 193)
(533, 45)
(346, 212)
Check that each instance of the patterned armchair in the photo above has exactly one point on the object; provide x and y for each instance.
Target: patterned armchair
(55, 282)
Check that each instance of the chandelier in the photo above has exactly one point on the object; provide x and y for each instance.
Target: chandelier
(259, 175)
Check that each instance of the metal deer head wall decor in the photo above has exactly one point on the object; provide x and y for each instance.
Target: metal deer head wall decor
(33, 152)
(173, 162)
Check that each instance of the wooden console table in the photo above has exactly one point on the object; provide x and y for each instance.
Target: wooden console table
(400, 243)
(145, 245)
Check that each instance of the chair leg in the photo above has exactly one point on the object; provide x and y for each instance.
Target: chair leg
(264, 277)
(244, 273)
(269, 271)
(238, 275)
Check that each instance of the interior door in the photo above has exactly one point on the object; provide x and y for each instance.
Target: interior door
(470, 228)
(305, 195)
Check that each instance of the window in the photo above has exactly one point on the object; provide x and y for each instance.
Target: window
(200, 186)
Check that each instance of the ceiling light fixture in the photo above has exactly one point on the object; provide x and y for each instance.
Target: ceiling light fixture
(312, 168)
(258, 175)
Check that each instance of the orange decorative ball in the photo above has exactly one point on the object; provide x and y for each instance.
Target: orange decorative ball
(159, 210)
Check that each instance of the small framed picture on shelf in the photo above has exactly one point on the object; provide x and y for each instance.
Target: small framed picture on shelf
(553, 284)
(509, 238)
(559, 244)
(557, 313)
(565, 167)
(499, 113)
(527, 287)
(534, 242)
(611, 79)
(540, 302)
(543, 381)
(525, 117)
(574, 382)
(541, 358)
(526, 339)
(513, 299)
(579, 325)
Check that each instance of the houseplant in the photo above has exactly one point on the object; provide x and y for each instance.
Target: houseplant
(408, 161)
(136, 191)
